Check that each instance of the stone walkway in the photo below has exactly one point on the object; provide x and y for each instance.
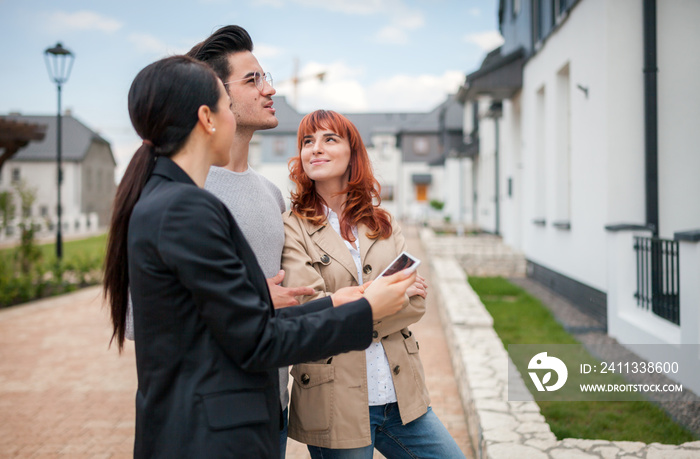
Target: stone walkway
(64, 393)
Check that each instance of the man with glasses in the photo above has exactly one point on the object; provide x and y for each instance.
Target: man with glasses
(255, 202)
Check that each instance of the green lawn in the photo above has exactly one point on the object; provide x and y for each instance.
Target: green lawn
(81, 266)
(520, 318)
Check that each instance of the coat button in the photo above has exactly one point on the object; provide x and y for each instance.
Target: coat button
(375, 334)
(397, 369)
(305, 378)
(367, 269)
(325, 259)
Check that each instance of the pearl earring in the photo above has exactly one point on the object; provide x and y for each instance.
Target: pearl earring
(213, 129)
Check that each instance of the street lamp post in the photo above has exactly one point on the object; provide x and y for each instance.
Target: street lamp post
(59, 62)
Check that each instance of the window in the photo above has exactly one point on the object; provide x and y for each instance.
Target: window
(387, 193)
(421, 145)
(538, 22)
(516, 8)
(15, 175)
(421, 192)
(44, 211)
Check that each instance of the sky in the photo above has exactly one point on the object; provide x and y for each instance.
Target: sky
(378, 55)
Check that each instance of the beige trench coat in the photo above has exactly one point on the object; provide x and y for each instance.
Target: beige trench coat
(329, 402)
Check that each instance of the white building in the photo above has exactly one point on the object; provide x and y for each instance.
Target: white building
(597, 143)
(88, 176)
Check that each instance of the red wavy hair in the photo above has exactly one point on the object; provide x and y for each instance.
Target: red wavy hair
(362, 191)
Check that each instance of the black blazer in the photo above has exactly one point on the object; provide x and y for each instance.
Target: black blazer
(208, 341)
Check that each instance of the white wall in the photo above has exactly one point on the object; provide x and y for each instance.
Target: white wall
(606, 143)
(41, 176)
(511, 167)
(457, 190)
(386, 159)
(678, 38)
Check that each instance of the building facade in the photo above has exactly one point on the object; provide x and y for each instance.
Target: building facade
(596, 147)
(88, 168)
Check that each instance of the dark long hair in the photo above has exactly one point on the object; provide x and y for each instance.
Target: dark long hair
(362, 193)
(164, 100)
(217, 47)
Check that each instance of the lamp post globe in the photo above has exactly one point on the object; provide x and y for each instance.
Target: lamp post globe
(59, 62)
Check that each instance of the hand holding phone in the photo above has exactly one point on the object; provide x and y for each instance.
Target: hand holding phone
(404, 261)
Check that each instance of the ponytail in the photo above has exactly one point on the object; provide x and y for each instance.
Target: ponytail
(116, 267)
(164, 99)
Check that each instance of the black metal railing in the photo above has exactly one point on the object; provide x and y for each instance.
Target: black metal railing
(658, 277)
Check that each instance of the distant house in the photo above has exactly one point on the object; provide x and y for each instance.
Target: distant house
(88, 175)
(592, 110)
(400, 145)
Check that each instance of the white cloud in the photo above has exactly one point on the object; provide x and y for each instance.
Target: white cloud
(342, 90)
(401, 18)
(148, 44)
(392, 35)
(487, 41)
(263, 51)
(350, 7)
(476, 12)
(413, 93)
(83, 20)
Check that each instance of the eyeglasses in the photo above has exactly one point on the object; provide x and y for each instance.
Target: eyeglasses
(259, 78)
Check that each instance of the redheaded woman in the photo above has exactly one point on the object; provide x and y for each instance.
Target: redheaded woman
(337, 236)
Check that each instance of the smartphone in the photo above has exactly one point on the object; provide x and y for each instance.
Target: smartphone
(403, 261)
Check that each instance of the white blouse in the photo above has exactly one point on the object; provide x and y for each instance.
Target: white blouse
(380, 385)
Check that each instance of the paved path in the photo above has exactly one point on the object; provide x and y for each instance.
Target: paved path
(63, 392)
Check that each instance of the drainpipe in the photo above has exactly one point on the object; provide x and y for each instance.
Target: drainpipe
(651, 138)
(651, 147)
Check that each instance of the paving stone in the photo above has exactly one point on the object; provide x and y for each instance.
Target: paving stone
(513, 450)
(543, 445)
(606, 452)
(629, 446)
(583, 444)
(566, 453)
(654, 453)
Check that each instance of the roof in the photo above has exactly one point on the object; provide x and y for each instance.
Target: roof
(370, 124)
(499, 76)
(450, 109)
(288, 117)
(75, 142)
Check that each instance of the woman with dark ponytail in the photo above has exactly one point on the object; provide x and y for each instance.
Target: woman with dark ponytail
(208, 341)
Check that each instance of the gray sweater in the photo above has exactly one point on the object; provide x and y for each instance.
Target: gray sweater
(257, 206)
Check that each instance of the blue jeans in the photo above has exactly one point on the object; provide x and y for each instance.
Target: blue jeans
(424, 437)
(283, 433)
